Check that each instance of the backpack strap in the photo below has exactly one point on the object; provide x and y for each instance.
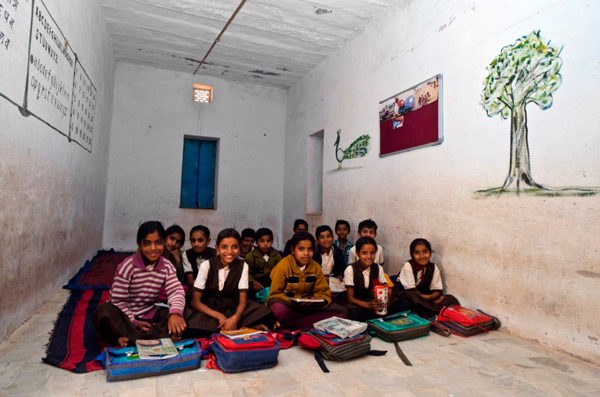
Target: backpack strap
(439, 328)
(376, 353)
(402, 355)
(320, 361)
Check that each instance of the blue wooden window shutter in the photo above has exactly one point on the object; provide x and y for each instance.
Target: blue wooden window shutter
(198, 174)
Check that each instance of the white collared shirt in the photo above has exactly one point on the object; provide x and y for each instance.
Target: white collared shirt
(407, 278)
(327, 262)
(200, 282)
(349, 275)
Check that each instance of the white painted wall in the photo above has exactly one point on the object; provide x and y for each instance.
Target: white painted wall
(52, 191)
(153, 110)
(533, 261)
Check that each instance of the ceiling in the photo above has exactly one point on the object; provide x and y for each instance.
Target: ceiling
(272, 42)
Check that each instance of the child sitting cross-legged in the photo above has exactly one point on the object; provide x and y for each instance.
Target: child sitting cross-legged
(360, 277)
(420, 281)
(174, 241)
(261, 261)
(330, 257)
(342, 229)
(300, 225)
(220, 295)
(300, 294)
(130, 313)
(200, 251)
(247, 244)
(367, 228)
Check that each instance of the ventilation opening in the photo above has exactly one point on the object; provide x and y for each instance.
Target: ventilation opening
(203, 93)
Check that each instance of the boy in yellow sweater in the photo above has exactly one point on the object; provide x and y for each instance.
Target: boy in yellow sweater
(300, 294)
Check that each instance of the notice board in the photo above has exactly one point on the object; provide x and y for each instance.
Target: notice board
(411, 119)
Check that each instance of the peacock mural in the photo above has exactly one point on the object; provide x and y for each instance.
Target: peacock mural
(358, 148)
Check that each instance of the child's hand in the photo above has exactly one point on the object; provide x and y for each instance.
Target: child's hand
(143, 326)
(221, 320)
(176, 256)
(439, 300)
(176, 325)
(257, 286)
(230, 323)
(376, 304)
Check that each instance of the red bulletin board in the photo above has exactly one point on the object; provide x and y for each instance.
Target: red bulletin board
(411, 119)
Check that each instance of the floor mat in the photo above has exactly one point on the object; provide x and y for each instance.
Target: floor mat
(99, 272)
(74, 343)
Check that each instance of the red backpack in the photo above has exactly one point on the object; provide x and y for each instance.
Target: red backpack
(466, 322)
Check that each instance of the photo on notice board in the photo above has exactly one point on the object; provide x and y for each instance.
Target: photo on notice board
(412, 118)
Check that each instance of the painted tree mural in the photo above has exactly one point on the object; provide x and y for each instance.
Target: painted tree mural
(524, 72)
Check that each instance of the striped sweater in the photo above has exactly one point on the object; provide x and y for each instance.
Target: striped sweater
(135, 290)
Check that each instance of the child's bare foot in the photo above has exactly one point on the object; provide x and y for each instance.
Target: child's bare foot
(122, 341)
(276, 325)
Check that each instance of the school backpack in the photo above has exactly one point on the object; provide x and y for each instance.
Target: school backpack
(466, 322)
(124, 363)
(331, 347)
(398, 327)
(247, 353)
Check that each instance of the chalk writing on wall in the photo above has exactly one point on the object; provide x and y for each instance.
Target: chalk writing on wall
(83, 108)
(41, 74)
(51, 64)
(15, 20)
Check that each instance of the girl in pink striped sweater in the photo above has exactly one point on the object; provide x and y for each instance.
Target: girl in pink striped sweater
(130, 313)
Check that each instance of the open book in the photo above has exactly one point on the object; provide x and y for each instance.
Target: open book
(152, 349)
(310, 300)
(341, 327)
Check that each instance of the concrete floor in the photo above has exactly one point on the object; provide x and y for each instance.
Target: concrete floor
(495, 364)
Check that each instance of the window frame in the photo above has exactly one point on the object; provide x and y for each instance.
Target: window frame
(216, 171)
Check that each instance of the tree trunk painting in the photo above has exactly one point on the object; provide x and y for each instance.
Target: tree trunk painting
(520, 167)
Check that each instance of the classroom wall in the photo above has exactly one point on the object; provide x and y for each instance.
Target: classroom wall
(531, 260)
(53, 191)
(153, 110)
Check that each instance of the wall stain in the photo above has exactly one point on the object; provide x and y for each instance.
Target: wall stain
(321, 11)
(191, 59)
(590, 337)
(585, 273)
(266, 73)
(283, 69)
(444, 26)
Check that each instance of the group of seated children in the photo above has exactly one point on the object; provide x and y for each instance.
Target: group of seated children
(222, 282)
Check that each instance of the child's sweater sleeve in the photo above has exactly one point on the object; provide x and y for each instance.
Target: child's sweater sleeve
(175, 292)
(119, 292)
(278, 276)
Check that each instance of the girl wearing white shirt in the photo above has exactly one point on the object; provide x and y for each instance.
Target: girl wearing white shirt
(421, 281)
